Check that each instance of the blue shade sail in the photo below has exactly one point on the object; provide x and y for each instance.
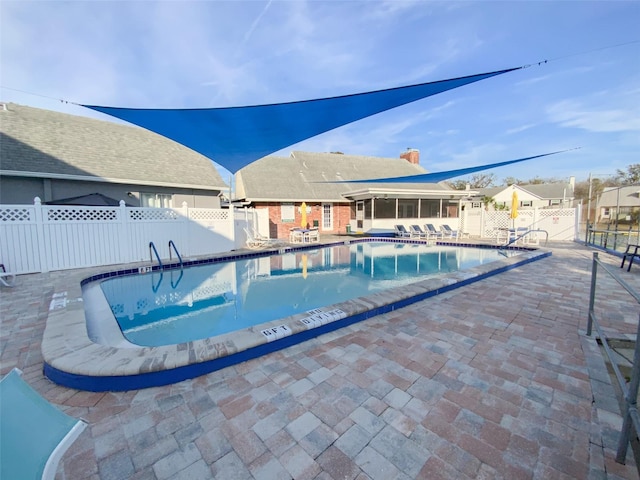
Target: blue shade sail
(234, 137)
(445, 175)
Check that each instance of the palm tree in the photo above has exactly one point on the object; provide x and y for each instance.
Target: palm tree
(488, 201)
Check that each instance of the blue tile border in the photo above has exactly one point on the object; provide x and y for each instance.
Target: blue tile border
(271, 251)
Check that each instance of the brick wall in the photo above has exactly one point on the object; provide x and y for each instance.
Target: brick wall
(411, 155)
(277, 229)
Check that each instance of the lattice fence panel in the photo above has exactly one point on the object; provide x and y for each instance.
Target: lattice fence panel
(208, 214)
(17, 214)
(80, 214)
(556, 212)
(153, 214)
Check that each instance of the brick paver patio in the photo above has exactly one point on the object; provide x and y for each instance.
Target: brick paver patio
(492, 380)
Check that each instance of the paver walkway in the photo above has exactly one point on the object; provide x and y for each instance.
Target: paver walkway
(492, 380)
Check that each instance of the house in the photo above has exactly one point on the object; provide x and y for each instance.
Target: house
(618, 205)
(58, 157)
(283, 184)
(549, 195)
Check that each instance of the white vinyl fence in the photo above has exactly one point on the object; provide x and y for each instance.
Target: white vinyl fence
(561, 224)
(42, 238)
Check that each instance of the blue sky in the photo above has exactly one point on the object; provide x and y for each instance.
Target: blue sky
(219, 54)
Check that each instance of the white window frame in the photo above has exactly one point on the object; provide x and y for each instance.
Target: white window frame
(156, 200)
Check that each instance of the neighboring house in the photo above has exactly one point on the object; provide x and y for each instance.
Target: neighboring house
(282, 184)
(57, 157)
(549, 195)
(625, 201)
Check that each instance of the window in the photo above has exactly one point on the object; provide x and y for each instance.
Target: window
(554, 202)
(429, 208)
(476, 204)
(156, 200)
(385, 208)
(526, 203)
(287, 213)
(407, 208)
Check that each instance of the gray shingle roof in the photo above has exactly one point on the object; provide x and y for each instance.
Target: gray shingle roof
(291, 178)
(623, 197)
(54, 144)
(545, 191)
(550, 190)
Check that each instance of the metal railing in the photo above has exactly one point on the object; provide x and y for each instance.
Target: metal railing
(171, 244)
(174, 284)
(519, 237)
(630, 391)
(152, 250)
(610, 239)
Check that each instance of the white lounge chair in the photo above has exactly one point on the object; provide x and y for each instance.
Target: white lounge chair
(34, 434)
(447, 232)
(417, 232)
(7, 279)
(253, 242)
(432, 232)
(401, 231)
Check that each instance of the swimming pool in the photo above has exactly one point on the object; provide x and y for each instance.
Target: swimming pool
(83, 350)
(203, 301)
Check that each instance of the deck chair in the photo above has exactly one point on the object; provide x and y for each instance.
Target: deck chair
(34, 434)
(296, 235)
(447, 232)
(432, 232)
(253, 242)
(7, 279)
(312, 236)
(401, 231)
(417, 232)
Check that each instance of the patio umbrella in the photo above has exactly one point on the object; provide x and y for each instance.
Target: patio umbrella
(303, 211)
(514, 207)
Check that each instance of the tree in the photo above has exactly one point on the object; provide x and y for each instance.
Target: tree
(488, 201)
(475, 181)
(581, 190)
(532, 181)
(512, 181)
(629, 177)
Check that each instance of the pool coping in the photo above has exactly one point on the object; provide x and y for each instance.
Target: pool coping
(72, 359)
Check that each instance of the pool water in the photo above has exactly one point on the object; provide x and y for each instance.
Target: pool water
(198, 302)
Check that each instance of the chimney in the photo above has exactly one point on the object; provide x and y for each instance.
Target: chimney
(572, 182)
(411, 155)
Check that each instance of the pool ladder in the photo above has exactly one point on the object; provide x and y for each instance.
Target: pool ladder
(152, 250)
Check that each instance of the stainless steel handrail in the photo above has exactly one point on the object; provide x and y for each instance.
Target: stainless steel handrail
(152, 249)
(630, 392)
(171, 244)
(527, 233)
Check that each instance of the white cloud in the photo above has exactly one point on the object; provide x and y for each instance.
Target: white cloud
(519, 129)
(576, 114)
